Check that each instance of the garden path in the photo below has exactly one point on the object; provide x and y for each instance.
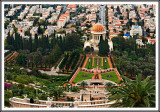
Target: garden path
(85, 62)
(93, 61)
(109, 61)
(74, 76)
(97, 72)
(52, 72)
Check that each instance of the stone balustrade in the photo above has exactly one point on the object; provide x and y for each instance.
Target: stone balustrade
(24, 103)
(97, 105)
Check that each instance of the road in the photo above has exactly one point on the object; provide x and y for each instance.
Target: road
(102, 14)
(64, 8)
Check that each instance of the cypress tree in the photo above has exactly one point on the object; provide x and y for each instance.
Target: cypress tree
(51, 45)
(36, 42)
(21, 42)
(16, 41)
(30, 44)
(103, 47)
(8, 40)
(47, 43)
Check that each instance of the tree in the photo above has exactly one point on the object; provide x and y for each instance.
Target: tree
(25, 44)
(28, 32)
(117, 53)
(148, 30)
(144, 40)
(121, 17)
(53, 42)
(21, 59)
(136, 93)
(36, 42)
(103, 47)
(55, 54)
(18, 43)
(46, 60)
(40, 30)
(37, 58)
(118, 10)
(6, 24)
(9, 39)
(83, 84)
(109, 84)
(30, 44)
(56, 92)
(72, 42)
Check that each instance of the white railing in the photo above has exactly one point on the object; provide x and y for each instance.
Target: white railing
(17, 102)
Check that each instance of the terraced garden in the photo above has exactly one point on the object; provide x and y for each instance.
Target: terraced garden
(99, 63)
(112, 76)
(70, 61)
(82, 76)
(89, 64)
(105, 63)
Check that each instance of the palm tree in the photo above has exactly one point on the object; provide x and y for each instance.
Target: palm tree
(136, 93)
(83, 84)
(109, 84)
(56, 92)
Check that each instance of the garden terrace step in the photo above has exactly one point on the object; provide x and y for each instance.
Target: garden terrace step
(73, 77)
(109, 61)
(93, 61)
(85, 62)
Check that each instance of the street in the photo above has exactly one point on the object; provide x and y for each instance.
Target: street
(102, 14)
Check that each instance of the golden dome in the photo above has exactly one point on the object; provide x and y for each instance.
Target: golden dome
(98, 28)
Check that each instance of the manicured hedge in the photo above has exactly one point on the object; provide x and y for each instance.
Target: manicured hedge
(83, 61)
(75, 60)
(69, 61)
(59, 61)
(64, 61)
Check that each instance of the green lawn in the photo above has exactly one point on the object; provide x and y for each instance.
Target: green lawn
(95, 64)
(100, 63)
(104, 65)
(114, 77)
(82, 76)
(89, 65)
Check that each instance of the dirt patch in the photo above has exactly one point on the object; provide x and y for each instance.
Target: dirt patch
(109, 76)
(84, 75)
